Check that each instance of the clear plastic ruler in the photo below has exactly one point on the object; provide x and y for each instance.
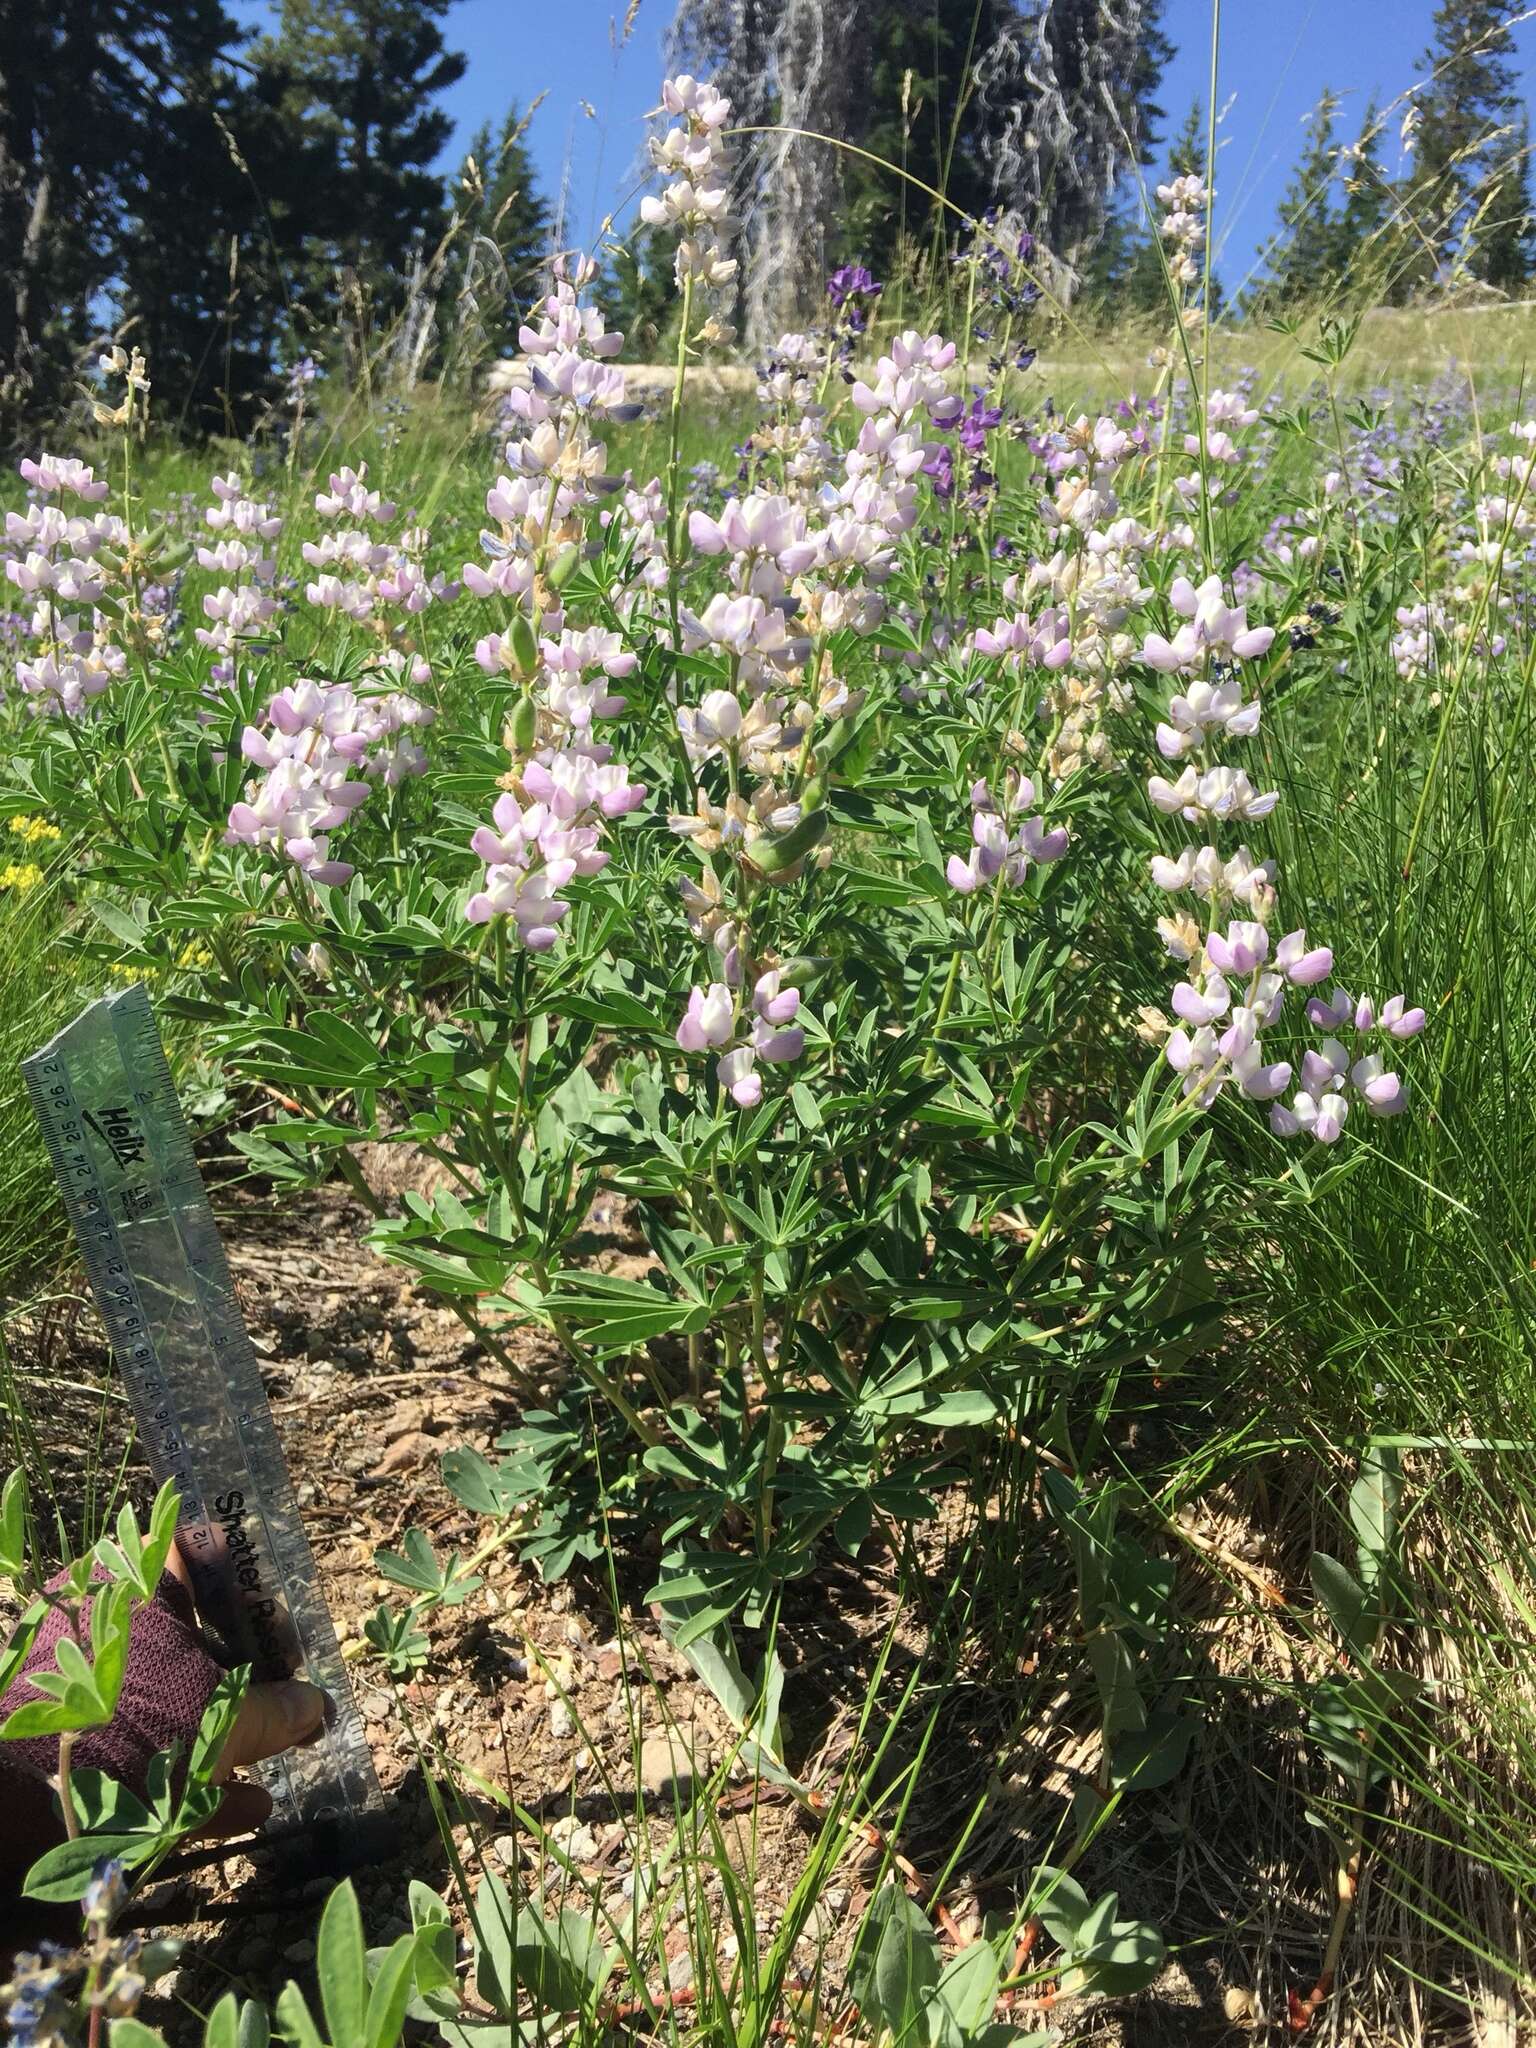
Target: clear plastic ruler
(121, 1151)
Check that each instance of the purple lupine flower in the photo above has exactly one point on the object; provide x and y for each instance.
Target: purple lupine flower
(940, 465)
(975, 424)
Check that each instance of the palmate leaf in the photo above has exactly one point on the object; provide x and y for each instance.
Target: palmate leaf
(81, 1692)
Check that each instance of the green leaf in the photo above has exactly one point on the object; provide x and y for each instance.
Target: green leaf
(222, 2028)
(341, 1966)
(1344, 1597)
(13, 1526)
(134, 2034)
(219, 1717)
(493, 1920)
(104, 1806)
(966, 1994)
(896, 1963)
(1064, 1907)
(19, 1647)
(417, 1567)
(1374, 1502)
(1142, 1759)
(111, 1614)
(391, 1994)
(296, 2020)
(255, 2030)
(64, 1871)
(474, 1482)
(119, 922)
(134, 1560)
(1114, 1671)
(427, 1909)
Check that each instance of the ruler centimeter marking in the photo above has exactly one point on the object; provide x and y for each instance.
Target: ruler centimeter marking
(121, 1152)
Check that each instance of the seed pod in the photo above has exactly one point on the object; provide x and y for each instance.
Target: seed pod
(772, 856)
(523, 726)
(563, 567)
(814, 794)
(524, 644)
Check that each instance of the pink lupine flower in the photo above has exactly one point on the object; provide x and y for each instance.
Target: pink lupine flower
(1301, 966)
(1320, 1117)
(323, 740)
(1384, 1093)
(1214, 627)
(1044, 640)
(775, 1035)
(710, 1018)
(1196, 1056)
(1329, 1012)
(1401, 1022)
(711, 1022)
(737, 1074)
(1203, 1005)
(1005, 842)
(1203, 710)
(1219, 793)
(63, 475)
(1244, 948)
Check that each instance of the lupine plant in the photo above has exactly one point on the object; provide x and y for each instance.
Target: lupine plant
(863, 881)
(705, 864)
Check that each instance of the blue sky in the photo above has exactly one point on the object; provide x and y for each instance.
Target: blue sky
(1276, 57)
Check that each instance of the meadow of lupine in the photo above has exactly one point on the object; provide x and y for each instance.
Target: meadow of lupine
(1026, 911)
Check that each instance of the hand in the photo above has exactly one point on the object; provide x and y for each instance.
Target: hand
(280, 1714)
(170, 1678)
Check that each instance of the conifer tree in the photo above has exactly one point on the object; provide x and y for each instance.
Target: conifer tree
(90, 95)
(1468, 113)
(1299, 263)
(364, 76)
(1504, 238)
(1366, 236)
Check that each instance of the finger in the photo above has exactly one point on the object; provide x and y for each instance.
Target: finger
(272, 1718)
(176, 1565)
(242, 1811)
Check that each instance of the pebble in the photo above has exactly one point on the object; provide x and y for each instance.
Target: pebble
(259, 1953)
(299, 1951)
(821, 1923)
(666, 1768)
(680, 1972)
(562, 1726)
(505, 1847)
(574, 1838)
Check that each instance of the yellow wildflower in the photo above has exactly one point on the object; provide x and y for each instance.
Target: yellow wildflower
(20, 876)
(32, 830)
